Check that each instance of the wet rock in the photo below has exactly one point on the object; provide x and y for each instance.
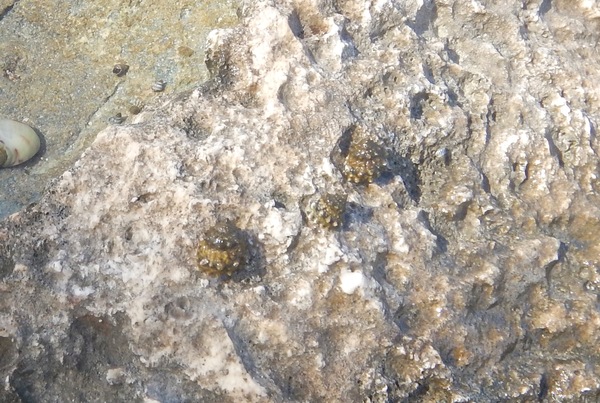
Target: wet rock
(466, 266)
(70, 97)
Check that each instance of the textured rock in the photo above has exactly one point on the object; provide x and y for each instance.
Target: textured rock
(56, 71)
(467, 269)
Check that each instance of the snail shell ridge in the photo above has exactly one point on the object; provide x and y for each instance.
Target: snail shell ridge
(18, 143)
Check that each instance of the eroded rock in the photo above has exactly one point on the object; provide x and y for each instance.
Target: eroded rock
(465, 271)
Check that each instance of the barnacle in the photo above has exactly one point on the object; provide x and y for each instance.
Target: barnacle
(360, 159)
(136, 107)
(223, 250)
(328, 210)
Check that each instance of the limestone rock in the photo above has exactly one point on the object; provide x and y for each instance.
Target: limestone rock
(467, 270)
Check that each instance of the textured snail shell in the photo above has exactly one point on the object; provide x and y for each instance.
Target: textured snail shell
(159, 85)
(120, 69)
(18, 143)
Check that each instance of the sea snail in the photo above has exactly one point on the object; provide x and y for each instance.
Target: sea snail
(18, 143)
(366, 159)
(328, 211)
(224, 250)
(159, 86)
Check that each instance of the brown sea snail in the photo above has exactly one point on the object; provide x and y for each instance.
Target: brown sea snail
(223, 250)
(18, 143)
(365, 162)
(359, 156)
(328, 211)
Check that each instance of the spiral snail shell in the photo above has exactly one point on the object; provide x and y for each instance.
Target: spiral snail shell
(18, 143)
(159, 86)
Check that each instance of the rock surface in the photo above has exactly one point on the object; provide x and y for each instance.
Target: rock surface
(56, 71)
(465, 265)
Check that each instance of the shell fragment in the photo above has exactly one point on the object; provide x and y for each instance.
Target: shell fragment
(18, 143)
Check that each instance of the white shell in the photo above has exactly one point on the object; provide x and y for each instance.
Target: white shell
(18, 143)
(159, 86)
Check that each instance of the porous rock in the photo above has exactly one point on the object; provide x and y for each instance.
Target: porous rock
(468, 271)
